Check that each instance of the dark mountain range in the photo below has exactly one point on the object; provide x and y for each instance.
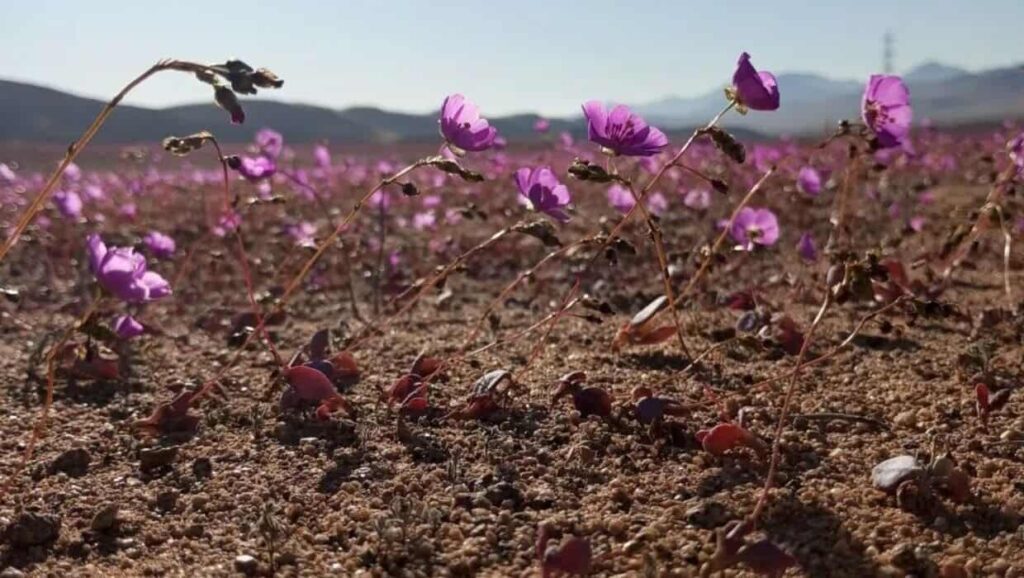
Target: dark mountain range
(810, 103)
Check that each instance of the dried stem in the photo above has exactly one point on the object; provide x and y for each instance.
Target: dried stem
(380, 326)
(659, 249)
(780, 426)
(39, 427)
(706, 263)
(79, 145)
(617, 230)
(835, 350)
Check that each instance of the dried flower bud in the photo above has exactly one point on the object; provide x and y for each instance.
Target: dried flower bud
(453, 168)
(233, 162)
(726, 143)
(182, 146)
(264, 78)
(585, 171)
(541, 229)
(409, 190)
(228, 100)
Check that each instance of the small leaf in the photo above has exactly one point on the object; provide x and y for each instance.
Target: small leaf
(648, 312)
(650, 409)
(488, 384)
(309, 384)
(319, 344)
(888, 475)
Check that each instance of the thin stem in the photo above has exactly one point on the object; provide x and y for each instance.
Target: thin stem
(39, 427)
(659, 249)
(380, 326)
(243, 257)
(79, 145)
(780, 426)
(706, 263)
(554, 314)
(308, 265)
(382, 235)
(1007, 245)
(629, 214)
(835, 350)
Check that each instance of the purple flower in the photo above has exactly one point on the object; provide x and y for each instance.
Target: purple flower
(622, 132)
(697, 199)
(127, 327)
(806, 248)
(754, 90)
(620, 198)
(541, 125)
(7, 174)
(542, 192)
(270, 143)
(128, 210)
(69, 204)
(916, 224)
(755, 226)
(322, 156)
(808, 181)
(255, 169)
(160, 245)
(227, 222)
(304, 234)
(462, 127)
(886, 110)
(122, 272)
(1016, 148)
(657, 203)
(424, 220)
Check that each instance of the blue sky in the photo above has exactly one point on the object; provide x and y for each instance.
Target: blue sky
(529, 55)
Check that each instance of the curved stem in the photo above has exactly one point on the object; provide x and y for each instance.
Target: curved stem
(79, 145)
(706, 263)
(40, 425)
(642, 196)
(659, 249)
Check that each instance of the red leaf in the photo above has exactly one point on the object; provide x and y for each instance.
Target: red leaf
(659, 335)
(593, 401)
(309, 384)
(764, 557)
(345, 365)
(574, 556)
(725, 436)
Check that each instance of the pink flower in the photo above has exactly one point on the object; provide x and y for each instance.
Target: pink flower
(463, 128)
(697, 199)
(755, 226)
(754, 90)
(540, 190)
(123, 272)
(886, 110)
(622, 132)
(620, 198)
(808, 181)
(127, 327)
(806, 248)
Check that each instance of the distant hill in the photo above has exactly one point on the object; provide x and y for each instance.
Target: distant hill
(810, 104)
